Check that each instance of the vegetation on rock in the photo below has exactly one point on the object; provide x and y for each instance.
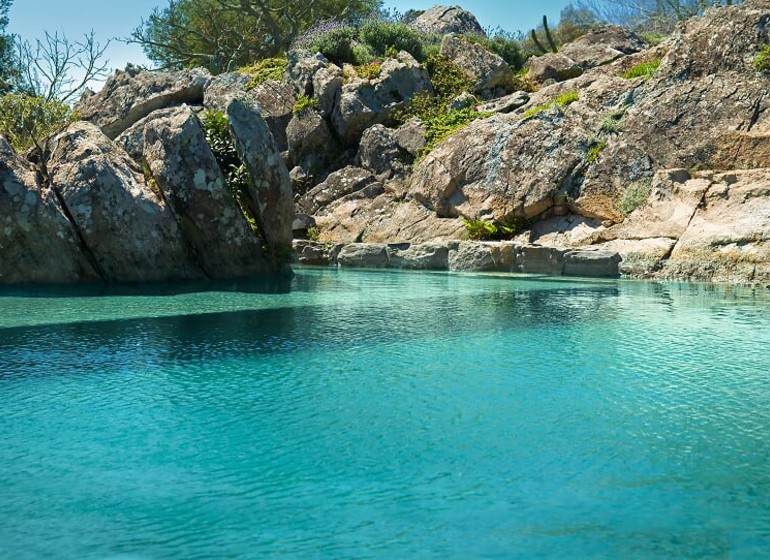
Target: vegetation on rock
(642, 70)
(489, 230)
(304, 103)
(561, 101)
(634, 196)
(25, 120)
(264, 70)
(762, 60)
(220, 140)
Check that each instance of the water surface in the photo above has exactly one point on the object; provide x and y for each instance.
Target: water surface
(388, 415)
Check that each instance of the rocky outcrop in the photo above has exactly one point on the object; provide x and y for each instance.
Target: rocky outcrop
(602, 46)
(338, 185)
(126, 228)
(379, 153)
(487, 70)
(363, 103)
(443, 20)
(186, 173)
(554, 67)
(37, 241)
(131, 94)
(307, 136)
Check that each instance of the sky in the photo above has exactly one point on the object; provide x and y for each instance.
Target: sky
(115, 19)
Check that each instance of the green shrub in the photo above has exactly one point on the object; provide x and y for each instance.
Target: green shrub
(486, 230)
(652, 39)
(220, 140)
(447, 78)
(304, 103)
(642, 70)
(336, 45)
(382, 36)
(507, 48)
(762, 60)
(267, 69)
(561, 101)
(26, 120)
(369, 71)
(612, 122)
(595, 148)
(445, 123)
(635, 196)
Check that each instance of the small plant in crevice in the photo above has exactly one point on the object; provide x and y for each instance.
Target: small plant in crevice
(264, 70)
(313, 233)
(443, 125)
(762, 59)
(595, 147)
(219, 139)
(303, 104)
(642, 70)
(149, 179)
(612, 122)
(634, 196)
(561, 101)
(369, 71)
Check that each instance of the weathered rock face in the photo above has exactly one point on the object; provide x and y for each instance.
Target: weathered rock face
(269, 200)
(486, 69)
(505, 104)
(309, 135)
(189, 177)
(443, 19)
(380, 154)
(553, 66)
(602, 46)
(126, 228)
(339, 184)
(410, 136)
(130, 95)
(274, 100)
(302, 67)
(37, 242)
(363, 103)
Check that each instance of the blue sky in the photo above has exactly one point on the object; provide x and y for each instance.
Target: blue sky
(117, 18)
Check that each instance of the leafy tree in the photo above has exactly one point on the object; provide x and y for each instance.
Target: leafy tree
(225, 34)
(7, 66)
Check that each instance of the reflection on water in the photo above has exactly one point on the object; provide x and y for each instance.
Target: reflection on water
(387, 415)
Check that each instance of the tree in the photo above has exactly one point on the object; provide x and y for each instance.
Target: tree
(7, 67)
(56, 68)
(224, 34)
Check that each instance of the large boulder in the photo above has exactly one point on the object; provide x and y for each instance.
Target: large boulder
(338, 184)
(269, 198)
(380, 154)
(553, 66)
(486, 69)
(131, 94)
(193, 185)
(363, 103)
(301, 69)
(124, 224)
(327, 86)
(308, 135)
(38, 244)
(274, 100)
(602, 46)
(442, 20)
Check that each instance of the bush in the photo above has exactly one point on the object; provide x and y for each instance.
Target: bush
(485, 230)
(762, 60)
(643, 70)
(304, 103)
(635, 196)
(219, 139)
(26, 120)
(382, 36)
(369, 71)
(336, 44)
(267, 69)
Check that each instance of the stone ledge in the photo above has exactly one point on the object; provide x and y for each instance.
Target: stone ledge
(465, 256)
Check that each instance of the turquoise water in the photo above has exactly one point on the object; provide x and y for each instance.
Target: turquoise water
(388, 415)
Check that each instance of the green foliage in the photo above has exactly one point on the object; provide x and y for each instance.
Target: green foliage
(561, 101)
(449, 81)
(369, 71)
(336, 45)
(595, 148)
(222, 35)
(507, 48)
(8, 70)
(652, 39)
(304, 103)
(487, 230)
(642, 70)
(635, 196)
(762, 60)
(26, 120)
(313, 233)
(445, 123)
(612, 122)
(382, 36)
(264, 70)
(220, 140)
